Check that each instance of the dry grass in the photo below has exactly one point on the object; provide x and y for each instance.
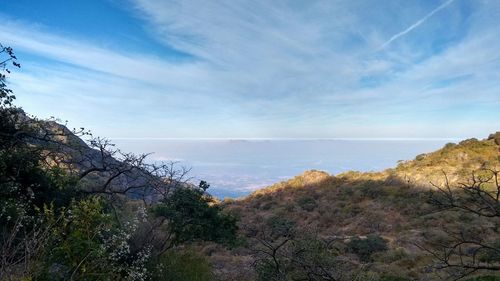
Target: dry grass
(390, 203)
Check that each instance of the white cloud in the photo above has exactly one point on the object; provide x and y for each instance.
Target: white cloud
(265, 69)
(83, 54)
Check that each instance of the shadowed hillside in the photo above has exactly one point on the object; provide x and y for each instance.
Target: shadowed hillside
(393, 205)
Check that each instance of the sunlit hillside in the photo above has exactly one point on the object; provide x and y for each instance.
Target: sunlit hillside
(392, 204)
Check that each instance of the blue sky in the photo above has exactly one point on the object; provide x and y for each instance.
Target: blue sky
(259, 69)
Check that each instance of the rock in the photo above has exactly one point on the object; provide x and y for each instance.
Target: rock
(495, 137)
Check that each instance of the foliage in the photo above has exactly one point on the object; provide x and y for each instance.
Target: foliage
(304, 258)
(364, 248)
(485, 278)
(420, 157)
(281, 226)
(77, 241)
(64, 216)
(62, 200)
(28, 189)
(307, 203)
(393, 278)
(467, 248)
(6, 56)
(193, 215)
(87, 244)
(181, 265)
(492, 254)
(449, 145)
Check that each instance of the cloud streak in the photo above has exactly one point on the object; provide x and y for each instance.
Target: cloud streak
(416, 24)
(260, 69)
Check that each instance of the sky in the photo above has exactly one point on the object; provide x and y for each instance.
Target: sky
(157, 69)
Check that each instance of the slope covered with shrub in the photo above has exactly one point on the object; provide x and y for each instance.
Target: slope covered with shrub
(76, 210)
(378, 224)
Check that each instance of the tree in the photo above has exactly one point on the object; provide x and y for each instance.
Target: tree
(190, 214)
(282, 253)
(468, 249)
(26, 186)
(364, 248)
(62, 202)
(6, 56)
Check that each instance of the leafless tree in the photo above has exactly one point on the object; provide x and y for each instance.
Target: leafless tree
(468, 248)
(288, 255)
(92, 165)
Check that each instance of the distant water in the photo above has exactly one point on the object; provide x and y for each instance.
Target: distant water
(235, 168)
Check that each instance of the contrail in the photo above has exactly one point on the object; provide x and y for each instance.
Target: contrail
(415, 25)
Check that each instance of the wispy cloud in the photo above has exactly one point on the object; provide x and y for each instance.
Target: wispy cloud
(270, 69)
(416, 24)
(85, 54)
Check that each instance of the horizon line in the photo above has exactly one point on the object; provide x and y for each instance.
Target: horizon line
(294, 139)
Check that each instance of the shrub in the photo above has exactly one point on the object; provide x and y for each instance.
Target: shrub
(485, 278)
(420, 157)
(392, 255)
(181, 266)
(372, 189)
(280, 226)
(491, 255)
(469, 141)
(268, 205)
(393, 278)
(364, 248)
(352, 210)
(192, 215)
(449, 145)
(289, 207)
(307, 203)
(87, 246)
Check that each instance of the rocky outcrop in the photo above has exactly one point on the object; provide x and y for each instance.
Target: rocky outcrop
(96, 164)
(495, 137)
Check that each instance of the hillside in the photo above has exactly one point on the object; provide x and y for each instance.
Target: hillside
(84, 210)
(376, 226)
(392, 225)
(97, 165)
(392, 204)
(456, 160)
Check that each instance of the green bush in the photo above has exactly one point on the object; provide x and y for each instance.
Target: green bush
(87, 245)
(372, 189)
(491, 255)
(449, 145)
(307, 203)
(393, 278)
(181, 266)
(485, 278)
(192, 216)
(280, 226)
(420, 157)
(268, 205)
(364, 248)
(472, 143)
(392, 255)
